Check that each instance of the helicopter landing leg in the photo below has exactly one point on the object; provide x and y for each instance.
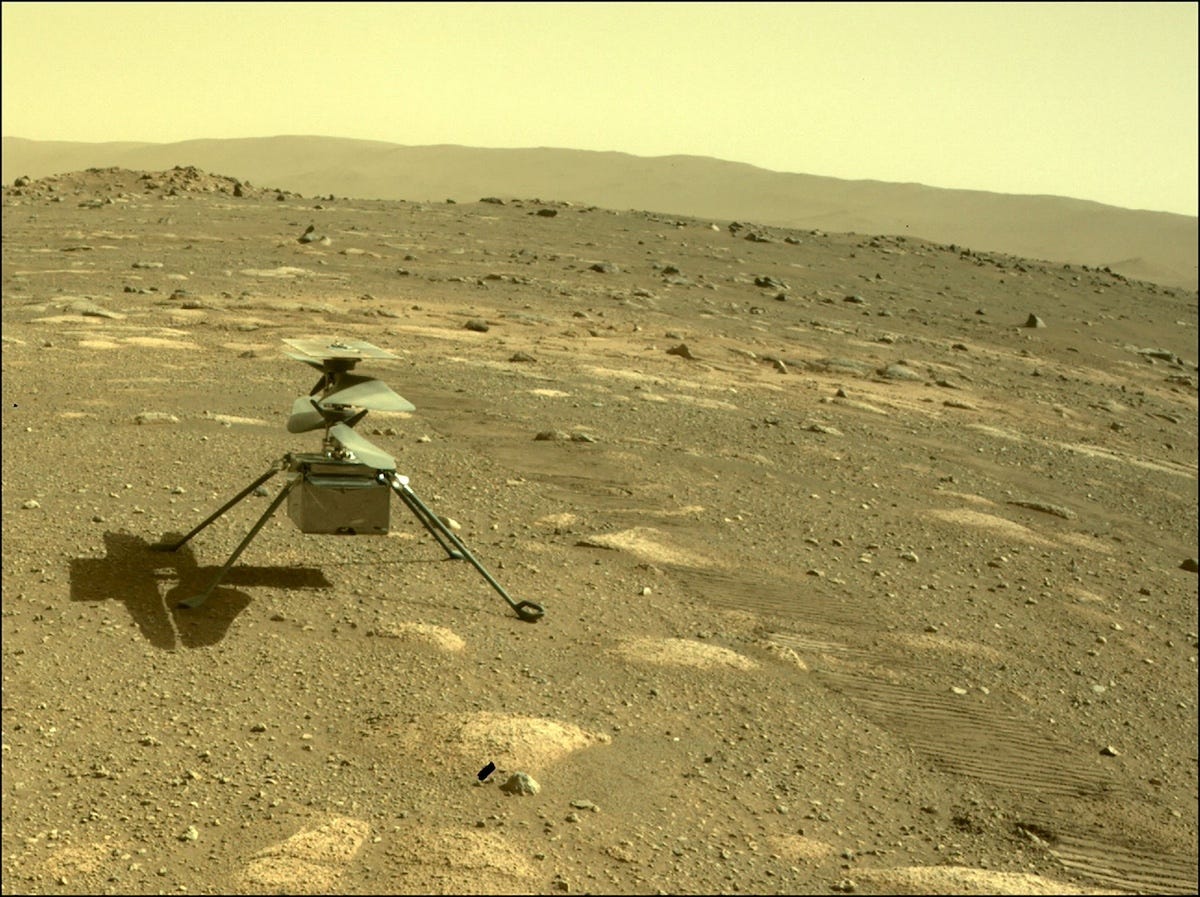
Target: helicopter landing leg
(175, 546)
(526, 610)
(429, 521)
(196, 600)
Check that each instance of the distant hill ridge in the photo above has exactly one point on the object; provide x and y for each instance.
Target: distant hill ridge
(1156, 246)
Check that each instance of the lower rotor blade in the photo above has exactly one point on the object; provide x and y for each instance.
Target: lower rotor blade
(364, 451)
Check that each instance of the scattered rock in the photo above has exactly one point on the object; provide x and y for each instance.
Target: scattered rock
(523, 357)
(770, 283)
(843, 365)
(147, 264)
(1161, 355)
(90, 309)
(1109, 751)
(1034, 321)
(1189, 564)
(546, 213)
(682, 351)
(521, 783)
(822, 428)
(605, 268)
(786, 654)
(155, 417)
(899, 371)
(478, 325)
(1046, 508)
(552, 436)
(31, 504)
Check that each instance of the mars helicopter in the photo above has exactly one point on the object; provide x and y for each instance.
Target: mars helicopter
(344, 489)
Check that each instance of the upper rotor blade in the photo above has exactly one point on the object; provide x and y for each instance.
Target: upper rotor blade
(304, 416)
(309, 361)
(364, 451)
(366, 392)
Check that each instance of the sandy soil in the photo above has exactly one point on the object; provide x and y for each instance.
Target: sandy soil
(868, 587)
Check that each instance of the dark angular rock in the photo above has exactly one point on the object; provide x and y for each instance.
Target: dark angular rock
(769, 283)
(682, 351)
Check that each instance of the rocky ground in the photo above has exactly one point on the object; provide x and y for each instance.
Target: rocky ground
(855, 578)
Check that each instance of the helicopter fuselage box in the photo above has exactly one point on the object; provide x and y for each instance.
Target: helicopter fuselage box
(340, 499)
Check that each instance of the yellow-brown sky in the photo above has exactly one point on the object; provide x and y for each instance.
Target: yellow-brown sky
(1092, 100)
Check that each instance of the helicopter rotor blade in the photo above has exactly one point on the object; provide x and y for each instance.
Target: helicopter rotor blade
(366, 392)
(305, 416)
(308, 361)
(364, 451)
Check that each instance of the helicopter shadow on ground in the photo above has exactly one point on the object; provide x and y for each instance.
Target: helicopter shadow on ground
(133, 573)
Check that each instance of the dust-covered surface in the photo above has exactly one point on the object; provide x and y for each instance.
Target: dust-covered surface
(852, 581)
